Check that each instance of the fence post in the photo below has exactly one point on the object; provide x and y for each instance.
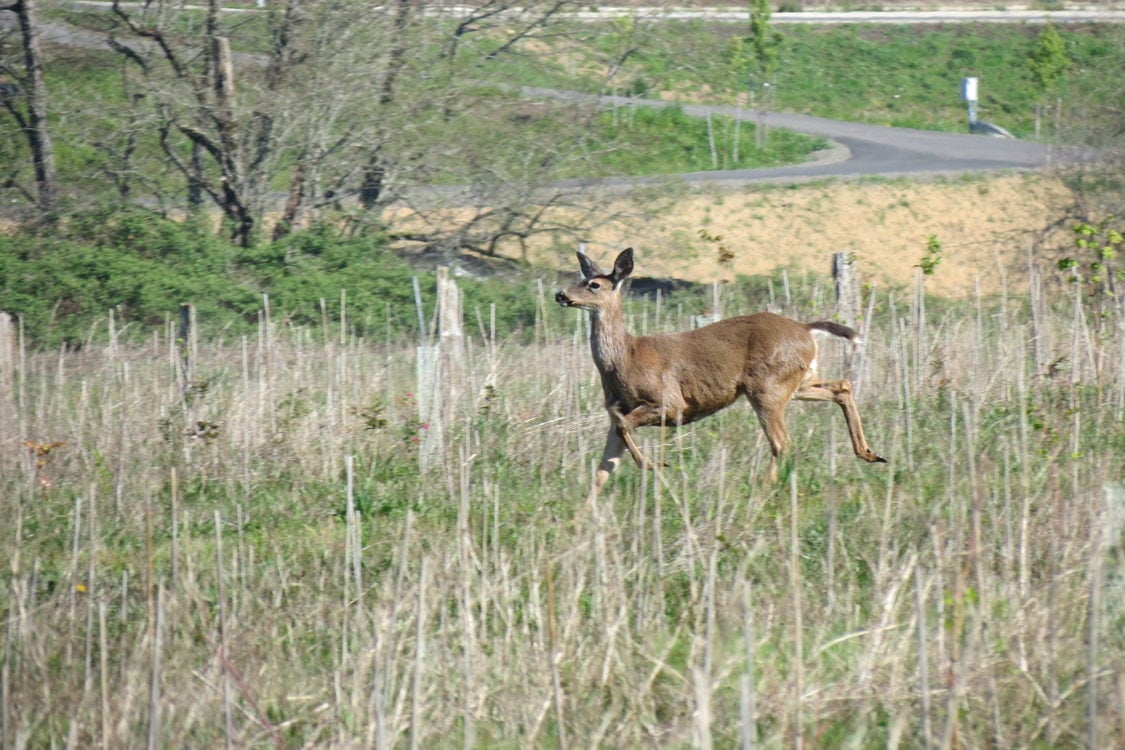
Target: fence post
(8, 359)
(188, 345)
(451, 339)
(847, 289)
(441, 370)
(847, 302)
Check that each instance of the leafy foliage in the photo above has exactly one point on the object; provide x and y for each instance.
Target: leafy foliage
(1096, 261)
(1048, 58)
(932, 257)
(64, 283)
(764, 41)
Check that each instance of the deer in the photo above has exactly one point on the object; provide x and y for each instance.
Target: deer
(678, 378)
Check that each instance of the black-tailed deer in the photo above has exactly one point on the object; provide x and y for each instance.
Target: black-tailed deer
(677, 378)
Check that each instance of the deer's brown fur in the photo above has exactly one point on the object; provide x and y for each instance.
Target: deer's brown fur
(681, 377)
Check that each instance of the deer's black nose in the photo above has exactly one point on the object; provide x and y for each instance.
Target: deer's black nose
(562, 299)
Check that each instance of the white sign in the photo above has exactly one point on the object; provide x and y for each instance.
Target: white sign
(969, 89)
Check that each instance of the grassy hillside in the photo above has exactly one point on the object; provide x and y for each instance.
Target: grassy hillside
(905, 76)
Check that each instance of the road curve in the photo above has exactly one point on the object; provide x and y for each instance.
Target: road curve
(858, 150)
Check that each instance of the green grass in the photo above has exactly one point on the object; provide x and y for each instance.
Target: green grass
(500, 136)
(640, 141)
(348, 591)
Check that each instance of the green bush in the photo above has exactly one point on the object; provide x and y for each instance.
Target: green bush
(140, 267)
(63, 284)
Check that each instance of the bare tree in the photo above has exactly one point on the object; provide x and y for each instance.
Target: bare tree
(341, 106)
(26, 101)
(364, 115)
(222, 138)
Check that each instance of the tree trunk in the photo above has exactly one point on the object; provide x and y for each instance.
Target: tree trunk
(35, 92)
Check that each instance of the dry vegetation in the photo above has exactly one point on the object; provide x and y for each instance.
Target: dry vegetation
(234, 543)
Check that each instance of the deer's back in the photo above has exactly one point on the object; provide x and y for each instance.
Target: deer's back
(750, 343)
(705, 370)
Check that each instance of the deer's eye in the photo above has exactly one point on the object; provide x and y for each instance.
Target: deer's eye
(595, 285)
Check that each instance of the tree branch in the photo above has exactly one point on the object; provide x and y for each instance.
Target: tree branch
(127, 52)
(19, 118)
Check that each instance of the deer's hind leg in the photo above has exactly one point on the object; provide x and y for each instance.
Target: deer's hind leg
(771, 416)
(770, 400)
(840, 392)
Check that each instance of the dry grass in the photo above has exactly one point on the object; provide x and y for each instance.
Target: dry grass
(246, 553)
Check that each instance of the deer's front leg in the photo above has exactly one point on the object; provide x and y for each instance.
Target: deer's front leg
(611, 457)
(621, 431)
(638, 455)
(645, 414)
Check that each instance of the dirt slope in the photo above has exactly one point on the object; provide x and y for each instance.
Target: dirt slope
(985, 225)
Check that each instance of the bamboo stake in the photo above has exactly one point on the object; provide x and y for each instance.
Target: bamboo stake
(5, 684)
(923, 657)
(91, 557)
(103, 663)
(72, 588)
(467, 620)
(220, 606)
(908, 411)
(1093, 633)
(702, 713)
(416, 709)
(155, 673)
(832, 500)
(798, 623)
(175, 552)
(554, 655)
(702, 673)
(747, 699)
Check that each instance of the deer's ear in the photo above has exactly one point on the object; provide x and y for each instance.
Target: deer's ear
(623, 266)
(589, 268)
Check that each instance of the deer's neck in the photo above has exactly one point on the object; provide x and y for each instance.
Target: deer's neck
(609, 342)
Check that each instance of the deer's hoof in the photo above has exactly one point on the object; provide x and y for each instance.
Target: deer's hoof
(877, 459)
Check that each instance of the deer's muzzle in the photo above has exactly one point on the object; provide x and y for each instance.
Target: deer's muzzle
(563, 300)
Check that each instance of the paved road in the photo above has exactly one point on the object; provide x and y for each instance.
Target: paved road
(858, 150)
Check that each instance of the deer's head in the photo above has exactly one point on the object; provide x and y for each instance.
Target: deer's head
(597, 289)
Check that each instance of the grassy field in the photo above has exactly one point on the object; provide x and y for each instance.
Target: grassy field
(281, 532)
(238, 544)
